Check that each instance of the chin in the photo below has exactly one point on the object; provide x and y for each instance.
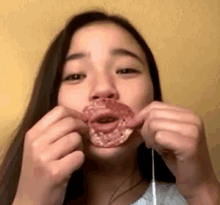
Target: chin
(115, 154)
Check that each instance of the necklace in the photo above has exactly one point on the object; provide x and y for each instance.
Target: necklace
(153, 184)
(111, 201)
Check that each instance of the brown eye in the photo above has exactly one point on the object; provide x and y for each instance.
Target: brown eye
(127, 71)
(74, 77)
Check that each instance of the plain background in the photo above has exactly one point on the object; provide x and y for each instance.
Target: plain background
(184, 36)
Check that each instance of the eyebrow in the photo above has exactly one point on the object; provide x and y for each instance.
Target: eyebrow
(114, 52)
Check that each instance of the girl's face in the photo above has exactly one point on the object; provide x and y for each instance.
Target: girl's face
(104, 60)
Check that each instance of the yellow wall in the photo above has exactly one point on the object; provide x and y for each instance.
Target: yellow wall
(183, 35)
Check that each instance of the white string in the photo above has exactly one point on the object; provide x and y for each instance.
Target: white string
(153, 180)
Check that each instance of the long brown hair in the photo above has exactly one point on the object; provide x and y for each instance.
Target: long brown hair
(44, 98)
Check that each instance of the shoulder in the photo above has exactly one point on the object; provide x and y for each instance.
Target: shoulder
(166, 193)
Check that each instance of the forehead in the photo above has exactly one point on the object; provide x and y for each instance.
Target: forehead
(103, 36)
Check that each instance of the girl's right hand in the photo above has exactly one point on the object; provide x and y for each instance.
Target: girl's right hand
(53, 150)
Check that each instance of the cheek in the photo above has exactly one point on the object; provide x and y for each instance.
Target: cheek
(147, 92)
(72, 98)
(139, 94)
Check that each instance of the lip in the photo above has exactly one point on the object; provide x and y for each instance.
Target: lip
(103, 113)
(105, 128)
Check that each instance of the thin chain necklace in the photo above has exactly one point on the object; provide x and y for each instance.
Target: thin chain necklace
(110, 202)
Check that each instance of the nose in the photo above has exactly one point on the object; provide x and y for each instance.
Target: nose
(103, 87)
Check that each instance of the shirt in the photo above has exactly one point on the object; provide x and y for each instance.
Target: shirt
(166, 194)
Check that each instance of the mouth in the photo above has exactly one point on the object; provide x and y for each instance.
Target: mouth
(105, 122)
(104, 118)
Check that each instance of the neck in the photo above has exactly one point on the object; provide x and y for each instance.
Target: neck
(112, 172)
(103, 181)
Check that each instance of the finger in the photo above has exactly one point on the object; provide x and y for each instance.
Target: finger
(181, 146)
(68, 164)
(138, 120)
(77, 115)
(62, 128)
(175, 115)
(178, 152)
(159, 145)
(151, 127)
(167, 149)
(51, 118)
(55, 115)
(63, 147)
(162, 105)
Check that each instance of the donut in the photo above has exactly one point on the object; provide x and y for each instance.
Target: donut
(106, 120)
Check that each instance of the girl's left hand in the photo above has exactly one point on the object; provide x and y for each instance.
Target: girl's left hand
(178, 135)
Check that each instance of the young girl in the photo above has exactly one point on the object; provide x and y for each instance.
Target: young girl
(52, 159)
